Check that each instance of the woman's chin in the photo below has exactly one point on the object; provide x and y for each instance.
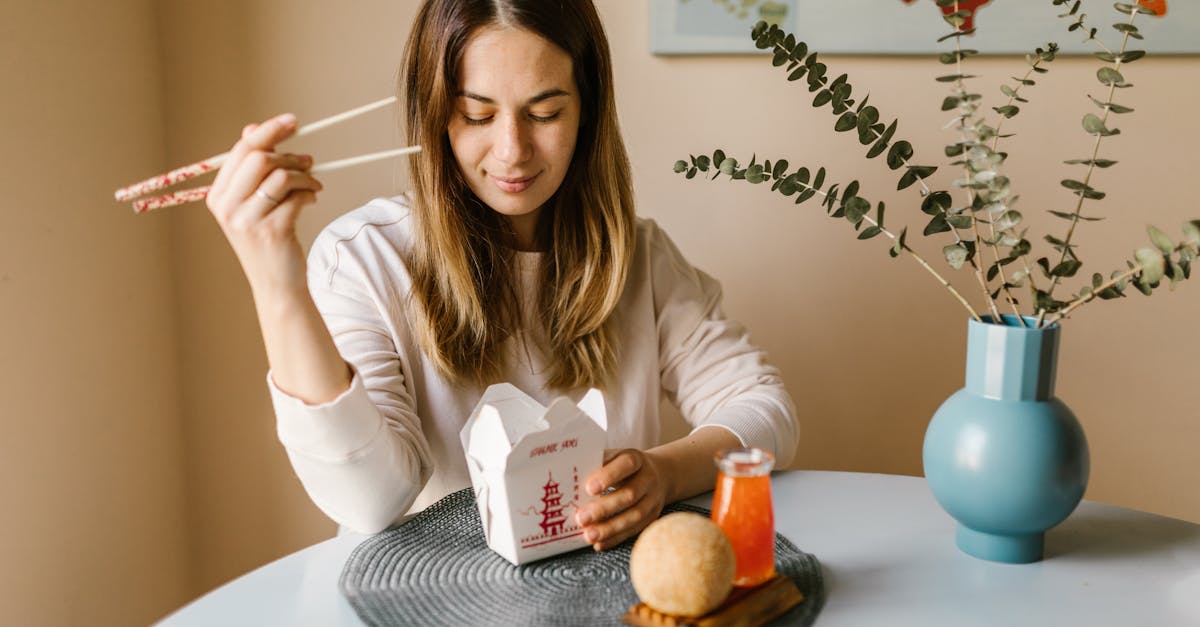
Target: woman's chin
(514, 205)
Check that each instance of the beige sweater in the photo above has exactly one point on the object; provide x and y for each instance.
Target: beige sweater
(390, 444)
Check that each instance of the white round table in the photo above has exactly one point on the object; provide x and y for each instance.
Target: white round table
(889, 559)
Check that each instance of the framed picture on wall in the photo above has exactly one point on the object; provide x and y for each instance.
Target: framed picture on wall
(909, 27)
(714, 26)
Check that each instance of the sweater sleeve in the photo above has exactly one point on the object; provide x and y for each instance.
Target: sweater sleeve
(709, 368)
(361, 457)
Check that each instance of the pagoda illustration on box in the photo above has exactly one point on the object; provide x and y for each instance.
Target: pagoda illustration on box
(555, 525)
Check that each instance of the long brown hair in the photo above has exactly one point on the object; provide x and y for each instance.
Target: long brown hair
(461, 264)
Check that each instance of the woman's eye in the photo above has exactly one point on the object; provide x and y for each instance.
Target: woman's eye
(476, 121)
(544, 118)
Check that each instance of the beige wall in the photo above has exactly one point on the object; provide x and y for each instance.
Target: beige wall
(94, 525)
(174, 448)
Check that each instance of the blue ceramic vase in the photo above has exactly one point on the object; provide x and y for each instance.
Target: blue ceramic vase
(1003, 455)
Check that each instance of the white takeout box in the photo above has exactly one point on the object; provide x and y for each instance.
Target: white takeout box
(527, 465)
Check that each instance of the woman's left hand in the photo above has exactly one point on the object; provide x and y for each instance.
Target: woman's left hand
(639, 494)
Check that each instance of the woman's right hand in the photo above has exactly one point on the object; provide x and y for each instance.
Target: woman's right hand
(256, 199)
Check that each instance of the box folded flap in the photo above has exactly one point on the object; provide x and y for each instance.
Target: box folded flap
(592, 404)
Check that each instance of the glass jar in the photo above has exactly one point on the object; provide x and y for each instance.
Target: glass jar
(742, 509)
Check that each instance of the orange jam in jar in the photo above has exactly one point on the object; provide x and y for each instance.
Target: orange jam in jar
(742, 509)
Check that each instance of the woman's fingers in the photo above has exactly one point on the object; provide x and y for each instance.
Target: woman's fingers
(275, 190)
(613, 503)
(636, 498)
(282, 219)
(628, 523)
(253, 170)
(281, 182)
(618, 466)
(254, 137)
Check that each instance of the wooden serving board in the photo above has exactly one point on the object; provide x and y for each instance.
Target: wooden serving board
(745, 607)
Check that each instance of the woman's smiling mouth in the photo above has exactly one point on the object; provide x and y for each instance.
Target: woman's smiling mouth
(512, 185)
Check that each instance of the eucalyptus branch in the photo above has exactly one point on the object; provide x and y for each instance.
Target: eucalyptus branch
(1008, 111)
(1116, 280)
(955, 18)
(852, 207)
(1078, 24)
(1153, 264)
(1096, 126)
(789, 51)
(999, 209)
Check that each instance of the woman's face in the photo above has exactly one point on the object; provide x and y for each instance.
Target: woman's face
(515, 120)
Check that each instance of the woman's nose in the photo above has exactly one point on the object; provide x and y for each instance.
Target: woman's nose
(512, 143)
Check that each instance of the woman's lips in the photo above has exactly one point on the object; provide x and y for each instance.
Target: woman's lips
(512, 185)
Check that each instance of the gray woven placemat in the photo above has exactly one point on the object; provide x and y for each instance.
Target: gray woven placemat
(436, 569)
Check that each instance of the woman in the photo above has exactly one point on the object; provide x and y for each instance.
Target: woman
(516, 257)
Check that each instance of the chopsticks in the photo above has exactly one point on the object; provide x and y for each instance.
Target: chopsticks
(193, 170)
(199, 193)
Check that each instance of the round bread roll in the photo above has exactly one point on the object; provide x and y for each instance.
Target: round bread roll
(682, 565)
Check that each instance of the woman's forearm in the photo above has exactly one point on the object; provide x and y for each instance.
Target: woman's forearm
(688, 463)
(305, 362)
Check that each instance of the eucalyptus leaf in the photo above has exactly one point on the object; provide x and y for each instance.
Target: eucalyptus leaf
(882, 143)
(1044, 264)
(831, 196)
(936, 203)
(1071, 216)
(847, 121)
(1160, 240)
(1192, 231)
(1153, 265)
(869, 232)
(1009, 219)
(851, 190)
(899, 154)
(1066, 269)
(1111, 106)
(962, 221)
(1110, 77)
(867, 117)
(899, 246)
(956, 255)
(1094, 125)
(1099, 163)
(856, 208)
(937, 225)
